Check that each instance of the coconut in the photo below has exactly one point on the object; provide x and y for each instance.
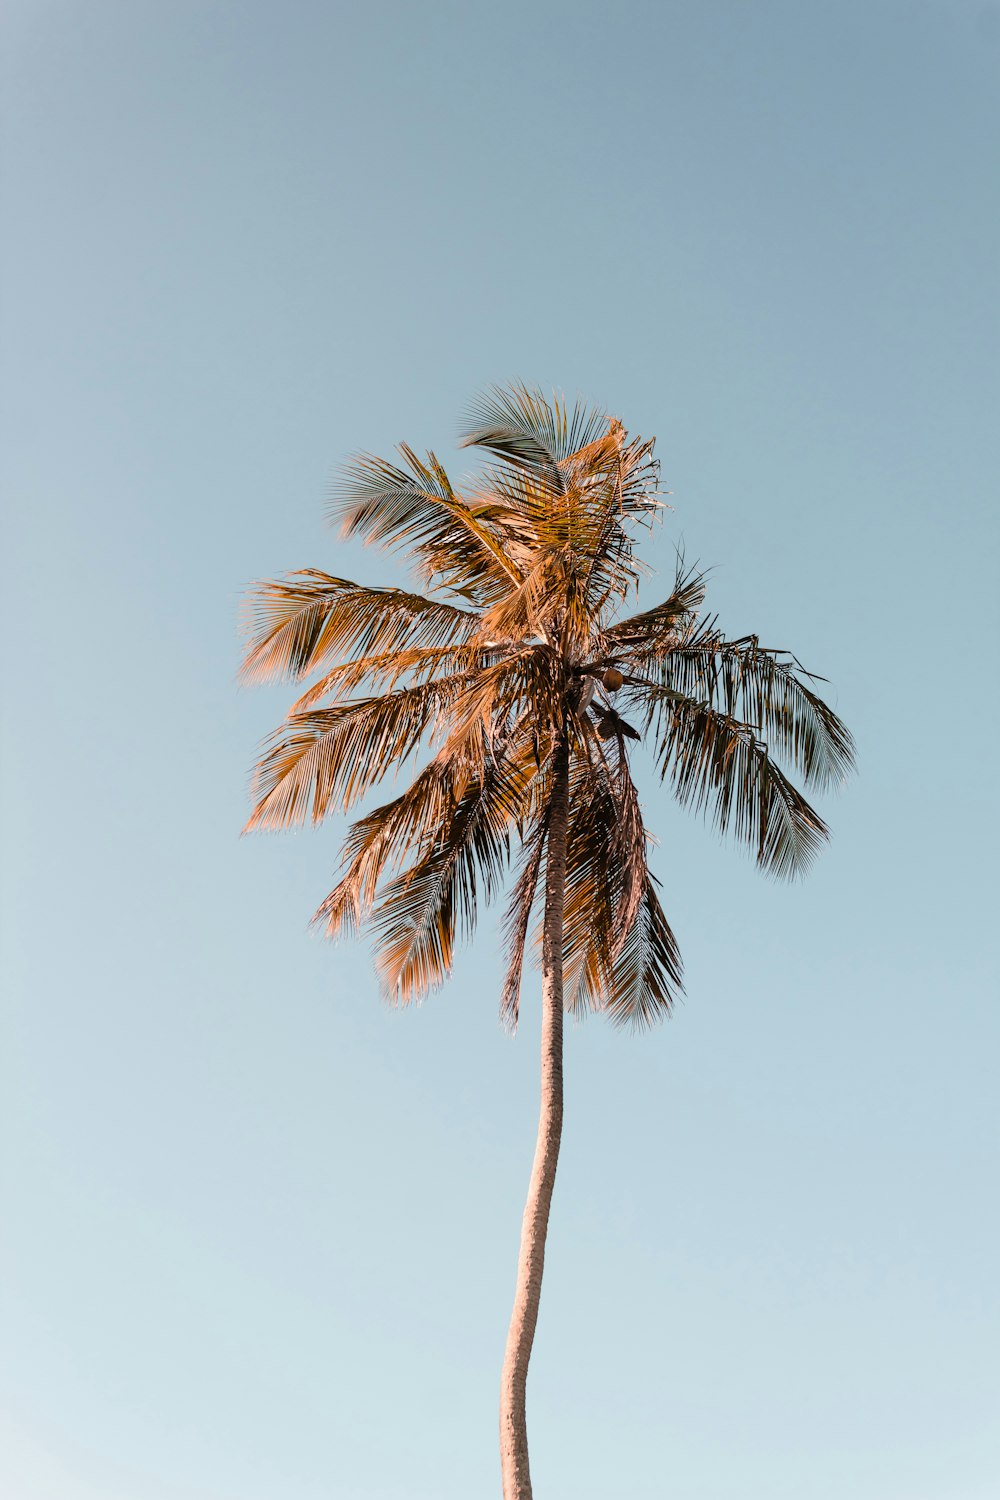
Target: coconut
(612, 679)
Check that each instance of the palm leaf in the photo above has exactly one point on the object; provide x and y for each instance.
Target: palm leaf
(523, 427)
(383, 839)
(385, 669)
(296, 624)
(415, 510)
(332, 756)
(644, 638)
(717, 765)
(765, 688)
(648, 974)
(605, 873)
(424, 909)
(517, 920)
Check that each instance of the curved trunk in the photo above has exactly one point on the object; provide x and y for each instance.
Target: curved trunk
(531, 1259)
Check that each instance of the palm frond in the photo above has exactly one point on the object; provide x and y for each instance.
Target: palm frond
(424, 909)
(646, 637)
(328, 757)
(765, 688)
(522, 426)
(382, 841)
(384, 670)
(717, 765)
(527, 610)
(620, 488)
(576, 501)
(416, 511)
(296, 624)
(647, 975)
(606, 873)
(520, 687)
(517, 920)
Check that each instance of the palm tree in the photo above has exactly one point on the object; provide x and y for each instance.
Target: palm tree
(517, 674)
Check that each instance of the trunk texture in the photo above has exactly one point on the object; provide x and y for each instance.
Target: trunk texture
(531, 1259)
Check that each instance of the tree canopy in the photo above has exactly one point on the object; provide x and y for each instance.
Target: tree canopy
(514, 648)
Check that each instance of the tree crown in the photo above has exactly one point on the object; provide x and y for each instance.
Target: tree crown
(515, 651)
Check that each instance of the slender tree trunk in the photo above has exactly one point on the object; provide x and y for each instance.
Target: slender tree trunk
(531, 1259)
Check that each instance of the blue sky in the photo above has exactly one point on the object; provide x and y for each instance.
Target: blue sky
(260, 1231)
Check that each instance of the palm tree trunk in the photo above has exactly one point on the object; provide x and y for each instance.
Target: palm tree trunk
(531, 1259)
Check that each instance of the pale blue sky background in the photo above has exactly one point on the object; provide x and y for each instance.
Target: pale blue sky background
(260, 1231)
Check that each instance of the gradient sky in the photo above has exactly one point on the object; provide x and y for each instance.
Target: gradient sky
(259, 1230)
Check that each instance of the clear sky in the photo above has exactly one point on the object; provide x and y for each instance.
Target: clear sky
(259, 1230)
